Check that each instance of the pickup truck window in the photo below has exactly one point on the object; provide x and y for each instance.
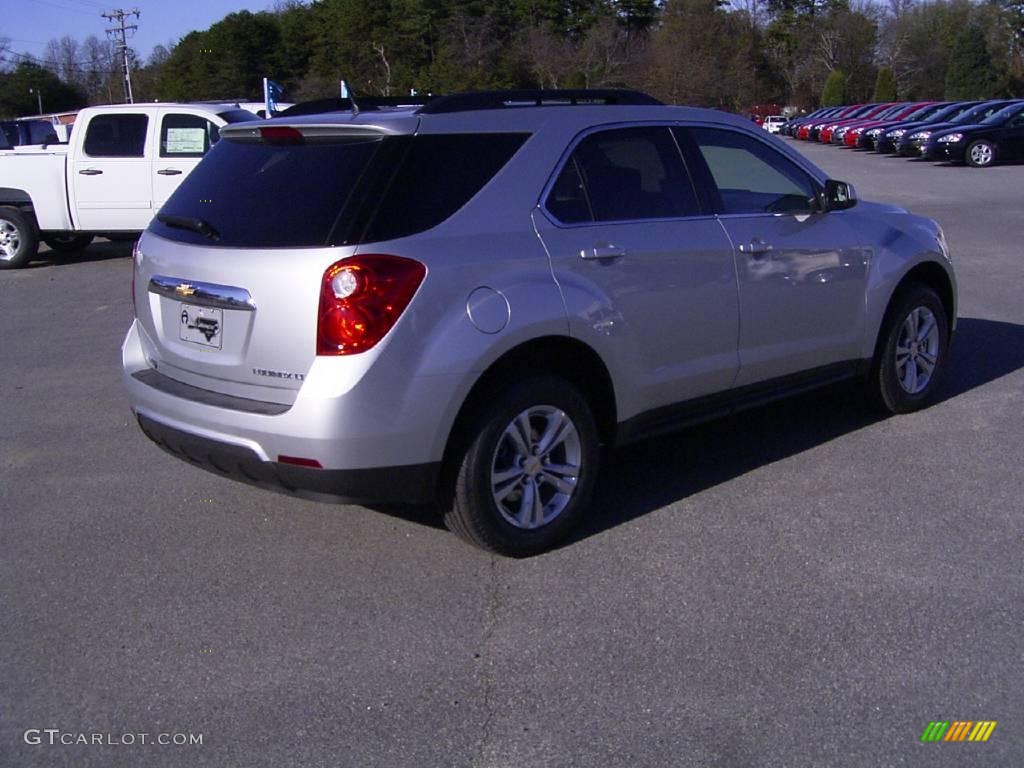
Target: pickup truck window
(186, 136)
(116, 136)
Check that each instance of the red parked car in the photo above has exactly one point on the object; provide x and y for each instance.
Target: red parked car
(825, 136)
(852, 134)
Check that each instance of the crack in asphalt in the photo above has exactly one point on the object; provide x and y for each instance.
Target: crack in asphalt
(491, 608)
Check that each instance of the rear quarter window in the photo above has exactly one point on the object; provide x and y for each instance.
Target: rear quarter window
(437, 176)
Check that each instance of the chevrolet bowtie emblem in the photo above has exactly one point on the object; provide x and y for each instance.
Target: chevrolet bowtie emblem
(184, 290)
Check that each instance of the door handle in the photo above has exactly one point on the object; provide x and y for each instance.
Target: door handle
(169, 172)
(603, 252)
(90, 172)
(755, 247)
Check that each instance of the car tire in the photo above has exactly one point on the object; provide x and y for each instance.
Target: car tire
(506, 495)
(19, 240)
(911, 351)
(68, 243)
(980, 154)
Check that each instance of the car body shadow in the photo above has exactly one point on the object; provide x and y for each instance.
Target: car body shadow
(648, 476)
(644, 477)
(99, 250)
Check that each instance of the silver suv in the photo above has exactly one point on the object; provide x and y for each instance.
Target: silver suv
(463, 302)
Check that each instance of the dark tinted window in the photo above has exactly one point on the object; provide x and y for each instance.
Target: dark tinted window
(438, 175)
(259, 195)
(186, 136)
(116, 136)
(237, 116)
(627, 174)
(751, 176)
(40, 132)
(8, 135)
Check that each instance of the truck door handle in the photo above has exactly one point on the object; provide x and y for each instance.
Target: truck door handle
(90, 172)
(603, 252)
(169, 172)
(755, 247)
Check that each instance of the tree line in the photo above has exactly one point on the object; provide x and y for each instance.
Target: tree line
(725, 54)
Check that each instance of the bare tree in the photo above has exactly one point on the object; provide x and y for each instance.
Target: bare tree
(550, 57)
(385, 90)
(61, 58)
(5, 49)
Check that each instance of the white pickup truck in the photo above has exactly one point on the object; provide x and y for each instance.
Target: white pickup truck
(121, 165)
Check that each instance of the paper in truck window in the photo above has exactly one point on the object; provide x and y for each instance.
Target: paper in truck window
(186, 141)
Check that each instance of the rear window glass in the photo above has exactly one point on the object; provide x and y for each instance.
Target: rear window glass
(267, 196)
(256, 195)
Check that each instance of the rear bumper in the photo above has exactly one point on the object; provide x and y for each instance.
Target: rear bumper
(406, 484)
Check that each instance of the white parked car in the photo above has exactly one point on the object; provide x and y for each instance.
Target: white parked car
(773, 123)
(121, 164)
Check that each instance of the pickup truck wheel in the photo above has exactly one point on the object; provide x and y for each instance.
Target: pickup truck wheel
(525, 478)
(68, 243)
(18, 238)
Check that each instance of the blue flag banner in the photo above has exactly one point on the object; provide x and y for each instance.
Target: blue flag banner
(272, 95)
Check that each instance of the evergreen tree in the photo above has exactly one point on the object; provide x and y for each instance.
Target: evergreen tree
(834, 92)
(970, 74)
(885, 86)
(16, 100)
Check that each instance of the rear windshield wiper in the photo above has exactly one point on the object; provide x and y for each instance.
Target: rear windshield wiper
(194, 224)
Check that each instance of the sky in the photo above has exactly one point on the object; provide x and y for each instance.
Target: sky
(31, 23)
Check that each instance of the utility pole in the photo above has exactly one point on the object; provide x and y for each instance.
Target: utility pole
(118, 34)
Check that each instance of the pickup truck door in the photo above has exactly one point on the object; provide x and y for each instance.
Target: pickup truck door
(110, 173)
(182, 141)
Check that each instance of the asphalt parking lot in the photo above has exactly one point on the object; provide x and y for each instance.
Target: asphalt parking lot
(808, 585)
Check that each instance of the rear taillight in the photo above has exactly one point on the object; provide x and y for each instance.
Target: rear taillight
(361, 299)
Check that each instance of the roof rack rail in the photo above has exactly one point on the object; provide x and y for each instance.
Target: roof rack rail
(473, 100)
(366, 104)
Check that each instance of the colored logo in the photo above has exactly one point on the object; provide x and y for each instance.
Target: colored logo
(958, 730)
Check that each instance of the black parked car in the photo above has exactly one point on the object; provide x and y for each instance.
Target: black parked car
(882, 138)
(1000, 137)
(912, 142)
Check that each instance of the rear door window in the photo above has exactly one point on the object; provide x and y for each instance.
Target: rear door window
(116, 136)
(623, 174)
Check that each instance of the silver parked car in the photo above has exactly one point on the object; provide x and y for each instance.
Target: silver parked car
(463, 302)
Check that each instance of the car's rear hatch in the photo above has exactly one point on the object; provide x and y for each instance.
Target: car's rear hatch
(227, 278)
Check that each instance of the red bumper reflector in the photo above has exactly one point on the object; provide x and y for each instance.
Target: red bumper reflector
(298, 461)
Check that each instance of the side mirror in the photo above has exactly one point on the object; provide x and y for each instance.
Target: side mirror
(838, 195)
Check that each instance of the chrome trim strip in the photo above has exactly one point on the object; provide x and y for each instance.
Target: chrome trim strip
(202, 294)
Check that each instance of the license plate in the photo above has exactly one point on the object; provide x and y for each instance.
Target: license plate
(201, 325)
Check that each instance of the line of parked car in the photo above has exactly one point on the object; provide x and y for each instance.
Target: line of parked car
(978, 133)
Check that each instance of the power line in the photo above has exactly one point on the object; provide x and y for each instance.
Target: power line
(71, 8)
(119, 35)
(85, 66)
